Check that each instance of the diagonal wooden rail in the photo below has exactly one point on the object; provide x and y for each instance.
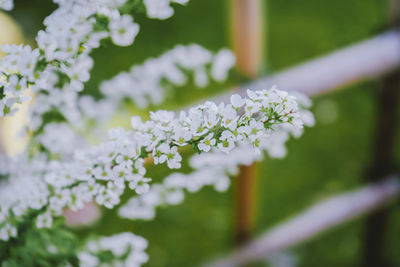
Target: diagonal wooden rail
(316, 219)
(368, 59)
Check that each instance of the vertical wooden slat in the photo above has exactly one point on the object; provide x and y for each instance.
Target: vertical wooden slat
(247, 29)
(383, 157)
(245, 202)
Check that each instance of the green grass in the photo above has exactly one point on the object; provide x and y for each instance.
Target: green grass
(328, 159)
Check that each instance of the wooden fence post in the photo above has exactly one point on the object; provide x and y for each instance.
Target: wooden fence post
(248, 32)
(383, 164)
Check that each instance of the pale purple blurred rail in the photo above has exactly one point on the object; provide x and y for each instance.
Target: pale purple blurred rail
(316, 219)
(365, 60)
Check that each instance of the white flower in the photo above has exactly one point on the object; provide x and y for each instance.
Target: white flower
(182, 2)
(160, 153)
(164, 119)
(223, 62)
(28, 61)
(136, 209)
(174, 158)
(16, 85)
(101, 173)
(7, 231)
(181, 136)
(254, 130)
(44, 220)
(88, 260)
(200, 77)
(165, 153)
(211, 117)
(126, 249)
(79, 72)
(208, 142)
(143, 187)
(252, 95)
(195, 119)
(123, 30)
(229, 116)
(174, 197)
(237, 101)
(251, 107)
(136, 122)
(227, 141)
(159, 9)
(6, 4)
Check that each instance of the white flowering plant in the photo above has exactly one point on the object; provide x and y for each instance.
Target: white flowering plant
(61, 170)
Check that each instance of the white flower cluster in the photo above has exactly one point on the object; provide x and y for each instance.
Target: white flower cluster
(57, 70)
(99, 111)
(86, 115)
(211, 169)
(21, 188)
(61, 64)
(65, 146)
(86, 118)
(16, 71)
(211, 127)
(127, 250)
(161, 9)
(144, 83)
(36, 187)
(214, 169)
(103, 172)
(6, 4)
(89, 121)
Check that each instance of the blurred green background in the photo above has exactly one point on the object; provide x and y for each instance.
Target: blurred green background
(330, 158)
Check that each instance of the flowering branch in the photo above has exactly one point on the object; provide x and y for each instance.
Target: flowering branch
(57, 70)
(62, 61)
(101, 173)
(145, 83)
(36, 187)
(126, 249)
(214, 168)
(59, 67)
